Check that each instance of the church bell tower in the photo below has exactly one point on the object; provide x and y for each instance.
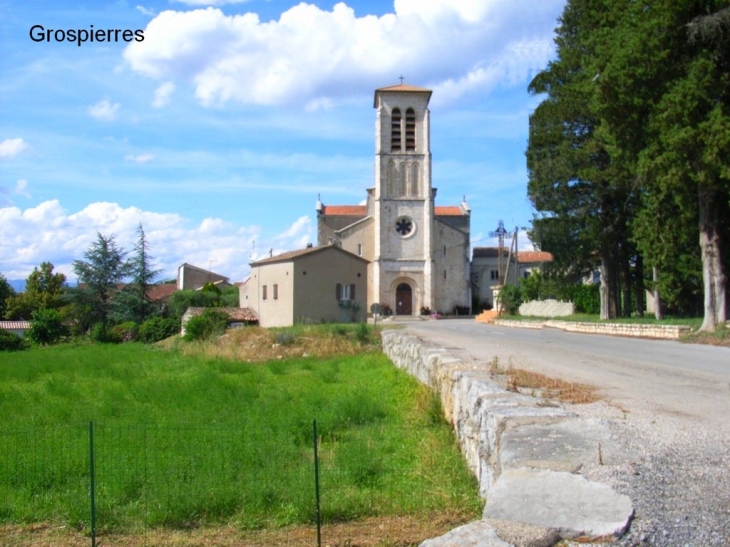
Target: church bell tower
(403, 200)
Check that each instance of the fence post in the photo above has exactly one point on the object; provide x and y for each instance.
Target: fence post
(93, 484)
(316, 483)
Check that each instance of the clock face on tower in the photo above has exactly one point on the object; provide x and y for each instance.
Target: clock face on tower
(404, 226)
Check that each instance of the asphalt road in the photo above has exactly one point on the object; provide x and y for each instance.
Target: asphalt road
(688, 380)
(669, 408)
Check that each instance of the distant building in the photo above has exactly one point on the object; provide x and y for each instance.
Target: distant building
(191, 277)
(18, 328)
(485, 269)
(317, 284)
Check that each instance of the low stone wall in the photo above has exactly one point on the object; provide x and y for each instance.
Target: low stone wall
(515, 443)
(547, 308)
(635, 330)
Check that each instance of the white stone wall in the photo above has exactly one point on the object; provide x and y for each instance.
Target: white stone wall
(547, 308)
(634, 330)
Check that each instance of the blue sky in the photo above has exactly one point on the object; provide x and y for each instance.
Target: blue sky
(219, 130)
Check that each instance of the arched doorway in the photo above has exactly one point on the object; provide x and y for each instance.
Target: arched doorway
(403, 299)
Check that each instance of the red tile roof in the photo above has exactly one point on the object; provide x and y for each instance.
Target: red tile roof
(161, 291)
(448, 211)
(524, 257)
(534, 256)
(345, 210)
(15, 325)
(283, 257)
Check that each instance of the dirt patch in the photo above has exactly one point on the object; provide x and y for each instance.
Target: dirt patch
(534, 383)
(373, 532)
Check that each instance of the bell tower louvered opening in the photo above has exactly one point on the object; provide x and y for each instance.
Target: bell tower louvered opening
(395, 130)
(410, 130)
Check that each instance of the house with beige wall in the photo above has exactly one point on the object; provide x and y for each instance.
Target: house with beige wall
(316, 284)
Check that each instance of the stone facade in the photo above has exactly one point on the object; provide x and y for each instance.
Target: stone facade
(418, 253)
(547, 308)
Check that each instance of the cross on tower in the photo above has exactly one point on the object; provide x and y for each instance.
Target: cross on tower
(401, 78)
(499, 233)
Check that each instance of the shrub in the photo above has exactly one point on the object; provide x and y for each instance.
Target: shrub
(11, 342)
(425, 310)
(158, 328)
(46, 327)
(587, 299)
(511, 297)
(284, 338)
(362, 332)
(126, 332)
(209, 323)
(101, 332)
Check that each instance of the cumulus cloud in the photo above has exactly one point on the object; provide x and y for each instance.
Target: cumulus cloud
(9, 148)
(162, 94)
(139, 158)
(49, 232)
(104, 110)
(316, 57)
(209, 2)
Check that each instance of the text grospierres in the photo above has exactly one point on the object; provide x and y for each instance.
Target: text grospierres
(38, 33)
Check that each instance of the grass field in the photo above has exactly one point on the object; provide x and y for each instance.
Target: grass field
(188, 441)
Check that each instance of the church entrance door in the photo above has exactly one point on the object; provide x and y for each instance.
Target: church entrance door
(404, 299)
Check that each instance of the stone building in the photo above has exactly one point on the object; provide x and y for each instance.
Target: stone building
(485, 269)
(417, 252)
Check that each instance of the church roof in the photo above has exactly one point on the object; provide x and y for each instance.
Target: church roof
(347, 210)
(404, 87)
(400, 88)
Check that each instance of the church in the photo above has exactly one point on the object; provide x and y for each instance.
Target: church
(415, 253)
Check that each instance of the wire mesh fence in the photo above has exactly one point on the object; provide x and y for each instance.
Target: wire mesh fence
(138, 484)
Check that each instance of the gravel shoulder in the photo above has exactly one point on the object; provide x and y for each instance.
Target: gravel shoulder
(672, 421)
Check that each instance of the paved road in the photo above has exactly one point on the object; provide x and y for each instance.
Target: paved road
(673, 426)
(662, 376)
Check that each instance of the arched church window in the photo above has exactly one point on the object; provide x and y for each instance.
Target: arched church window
(402, 187)
(392, 180)
(410, 130)
(395, 133)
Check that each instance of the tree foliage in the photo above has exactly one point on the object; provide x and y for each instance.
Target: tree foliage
(6, 291)
(46, 327)
(44, 289)
(132, 303)
(99, 275)
(629, 153)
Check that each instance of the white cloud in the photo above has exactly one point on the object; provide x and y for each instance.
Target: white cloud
(314, 57)
(21, 188)
(104, 110)
(140, 158)
(49, 232)
(162, 94)
(145, 11)
(209, 2)
(9, 148)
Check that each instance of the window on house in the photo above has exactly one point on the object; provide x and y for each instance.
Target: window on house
(444, 274)
(410, 130)
(264, 293)
(493, 275)
(359, 249)
(345, 292)
(395, 122)
(276, 292)
(444, 250)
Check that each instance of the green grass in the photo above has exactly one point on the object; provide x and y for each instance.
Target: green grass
(184, 441)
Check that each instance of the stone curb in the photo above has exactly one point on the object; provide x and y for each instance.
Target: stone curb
(516, 447)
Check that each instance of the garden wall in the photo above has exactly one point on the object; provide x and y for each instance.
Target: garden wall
(547, 308)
